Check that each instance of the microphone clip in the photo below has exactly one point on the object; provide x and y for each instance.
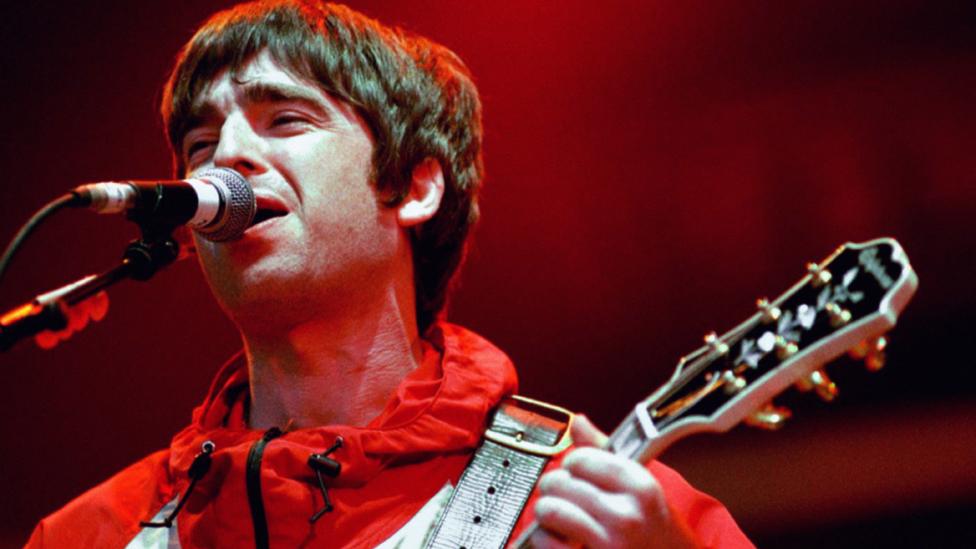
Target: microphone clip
(145, 256)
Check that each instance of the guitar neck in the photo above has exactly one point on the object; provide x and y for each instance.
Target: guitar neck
(845, 303)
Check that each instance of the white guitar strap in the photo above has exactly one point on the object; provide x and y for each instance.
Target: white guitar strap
(522, 436)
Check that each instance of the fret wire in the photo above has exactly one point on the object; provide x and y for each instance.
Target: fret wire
(627, 429)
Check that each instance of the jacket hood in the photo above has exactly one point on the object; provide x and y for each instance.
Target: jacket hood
(439, 408)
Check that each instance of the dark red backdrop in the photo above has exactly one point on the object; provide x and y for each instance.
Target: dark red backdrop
(653, 167)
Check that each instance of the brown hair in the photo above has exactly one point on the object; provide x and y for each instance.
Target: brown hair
(416, 96)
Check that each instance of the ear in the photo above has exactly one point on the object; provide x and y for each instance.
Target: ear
(424, 197)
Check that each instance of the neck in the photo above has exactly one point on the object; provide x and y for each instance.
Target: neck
(333, 370)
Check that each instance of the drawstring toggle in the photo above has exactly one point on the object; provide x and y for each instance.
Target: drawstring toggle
(322, 464)
(198, 468)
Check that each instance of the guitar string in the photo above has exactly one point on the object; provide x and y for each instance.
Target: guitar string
(700, 360)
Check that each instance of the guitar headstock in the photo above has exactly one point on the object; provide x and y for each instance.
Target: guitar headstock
(846, 302)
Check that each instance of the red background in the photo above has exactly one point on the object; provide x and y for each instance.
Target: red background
(653, 168)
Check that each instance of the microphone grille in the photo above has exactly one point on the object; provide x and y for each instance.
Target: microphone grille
(239, 205)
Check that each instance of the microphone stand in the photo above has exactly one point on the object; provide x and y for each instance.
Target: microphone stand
(48, 311)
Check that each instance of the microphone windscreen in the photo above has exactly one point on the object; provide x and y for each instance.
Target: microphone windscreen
(239, 204)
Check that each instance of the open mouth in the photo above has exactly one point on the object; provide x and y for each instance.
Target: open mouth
(266, 213)
(268, 207)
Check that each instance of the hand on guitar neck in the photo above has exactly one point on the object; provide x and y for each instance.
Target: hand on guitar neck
(600, 499)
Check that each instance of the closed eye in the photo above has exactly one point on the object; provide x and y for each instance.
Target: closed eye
(196, 148)
(286, 118)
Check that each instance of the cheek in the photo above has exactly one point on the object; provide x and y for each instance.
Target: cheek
(336, 184)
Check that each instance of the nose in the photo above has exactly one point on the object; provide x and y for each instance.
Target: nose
(240, 147)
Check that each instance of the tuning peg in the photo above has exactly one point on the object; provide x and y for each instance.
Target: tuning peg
(818, 275)
(785, 348)
(770, 417)
(732, 383)
(718, 346)
(875, 361)
(838, 315)
(872, 351)
(770, 313)
(818, 381)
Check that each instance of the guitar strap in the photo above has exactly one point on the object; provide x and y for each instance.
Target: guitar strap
(521, 438)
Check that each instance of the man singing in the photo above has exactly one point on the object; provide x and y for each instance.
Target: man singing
(363, 146)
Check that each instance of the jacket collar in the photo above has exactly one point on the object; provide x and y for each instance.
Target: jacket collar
(439, 408)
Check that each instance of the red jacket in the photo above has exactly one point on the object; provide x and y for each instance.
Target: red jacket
(390, 469)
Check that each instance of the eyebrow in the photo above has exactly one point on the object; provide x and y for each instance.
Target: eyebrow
(256, 93)
(268, 92)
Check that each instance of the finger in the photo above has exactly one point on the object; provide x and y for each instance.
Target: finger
(46, 340)
(65, 334)
(543, 539)
(49, 339)
(561, 484)
(586, 434)
(614, 511)
(99, 306)
(77, 317)
(610, 472)
(569, 522)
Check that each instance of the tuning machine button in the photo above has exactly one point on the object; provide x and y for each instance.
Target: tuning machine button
(838, 315)
(770, 417)
(785, 348)
(818, 275)
(819, 382)
(770, 313)
(875, 361)
(872, 351)
(717, 345)
(731, 383)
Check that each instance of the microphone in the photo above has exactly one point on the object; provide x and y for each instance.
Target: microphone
(218, 203)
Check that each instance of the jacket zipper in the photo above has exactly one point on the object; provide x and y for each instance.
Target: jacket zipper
(253, 480)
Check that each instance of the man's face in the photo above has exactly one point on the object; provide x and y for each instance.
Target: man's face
(309, 156)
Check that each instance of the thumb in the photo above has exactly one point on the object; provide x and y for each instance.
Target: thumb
(586, 434)
(78, 315)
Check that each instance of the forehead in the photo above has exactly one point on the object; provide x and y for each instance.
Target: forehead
(260, 80)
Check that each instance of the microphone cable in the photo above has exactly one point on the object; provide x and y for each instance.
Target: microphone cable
(66, 200)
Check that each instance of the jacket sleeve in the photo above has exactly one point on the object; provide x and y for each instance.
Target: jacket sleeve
(707, 519)
(108, 515)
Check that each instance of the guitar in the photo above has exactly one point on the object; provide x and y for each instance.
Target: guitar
(844, 303)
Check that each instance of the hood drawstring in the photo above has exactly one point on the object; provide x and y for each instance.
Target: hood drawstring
(321, 463)
(198, 468)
